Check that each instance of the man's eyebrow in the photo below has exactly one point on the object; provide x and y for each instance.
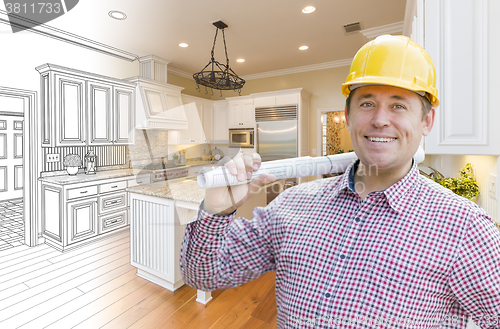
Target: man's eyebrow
(363, 96)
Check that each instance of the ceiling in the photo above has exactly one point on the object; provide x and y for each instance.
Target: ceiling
(266, 33)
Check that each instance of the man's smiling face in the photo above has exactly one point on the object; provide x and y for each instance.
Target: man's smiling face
(386, 125)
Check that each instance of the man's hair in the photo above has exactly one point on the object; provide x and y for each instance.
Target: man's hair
(426, 105)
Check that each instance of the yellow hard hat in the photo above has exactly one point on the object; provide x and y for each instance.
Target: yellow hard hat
(395, 61)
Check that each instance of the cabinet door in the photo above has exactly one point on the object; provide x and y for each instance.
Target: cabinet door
(208, 121)
(247, 114)
(234, 115)
(456, 37)
(82, 220)
(221, 132)
(100, 113)
(70, 107)
(124, 114)
(194, 133)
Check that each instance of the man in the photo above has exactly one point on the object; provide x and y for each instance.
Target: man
(380, 245)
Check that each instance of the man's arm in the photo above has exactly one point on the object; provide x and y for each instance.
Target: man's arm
(475, 279)
(224, 252)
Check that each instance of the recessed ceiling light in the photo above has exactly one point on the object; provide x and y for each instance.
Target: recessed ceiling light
(183, 45)
(303, 47)
(308, 9)
(117, 15)
(240, 60)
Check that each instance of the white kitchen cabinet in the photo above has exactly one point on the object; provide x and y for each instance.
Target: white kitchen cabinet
(123, 115)
(241, 112)
(80, 108)
(221, 126)
(462, 40)
(67, 117)
(75, 214)
(100, 96)
(82, 220)
(111, 114)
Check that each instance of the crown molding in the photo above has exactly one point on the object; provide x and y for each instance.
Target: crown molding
(179, 73)
(269, 74)
(384, 29)
(52, 32)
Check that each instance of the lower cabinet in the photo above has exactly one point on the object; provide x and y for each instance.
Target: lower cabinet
(82, 220)
(76, 214)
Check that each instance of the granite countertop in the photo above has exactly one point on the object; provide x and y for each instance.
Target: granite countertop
(181, 189)
(82, 178)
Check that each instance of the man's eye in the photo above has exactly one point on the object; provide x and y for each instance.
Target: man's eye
(399, 107)
(366, 105)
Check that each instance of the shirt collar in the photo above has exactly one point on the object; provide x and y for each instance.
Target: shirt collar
(396, 195)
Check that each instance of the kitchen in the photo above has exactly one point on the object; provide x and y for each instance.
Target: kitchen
(470, 138)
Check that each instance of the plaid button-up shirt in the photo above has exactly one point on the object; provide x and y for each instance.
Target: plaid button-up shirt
(413, 255)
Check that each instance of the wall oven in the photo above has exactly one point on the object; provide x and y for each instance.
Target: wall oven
(241, 137)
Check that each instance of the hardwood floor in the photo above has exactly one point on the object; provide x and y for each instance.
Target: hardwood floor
(96, 287)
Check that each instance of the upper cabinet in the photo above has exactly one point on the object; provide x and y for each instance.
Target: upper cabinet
(241, 112)
(461, 41)
(80, 108)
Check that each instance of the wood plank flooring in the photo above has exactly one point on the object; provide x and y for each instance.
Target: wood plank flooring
(96, 287)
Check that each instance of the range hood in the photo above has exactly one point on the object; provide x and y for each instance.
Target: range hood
(158, 104)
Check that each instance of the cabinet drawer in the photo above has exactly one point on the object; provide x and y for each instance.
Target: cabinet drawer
(112, 201)
(113, 221)
(115, 186)
(82, 192)
(139, 180)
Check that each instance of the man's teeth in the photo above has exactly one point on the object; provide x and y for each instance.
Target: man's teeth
(381, 139)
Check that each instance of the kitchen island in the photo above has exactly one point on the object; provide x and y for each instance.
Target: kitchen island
(159, 213)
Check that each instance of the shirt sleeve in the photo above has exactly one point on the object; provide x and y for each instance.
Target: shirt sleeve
(475, 277)
(223, 252)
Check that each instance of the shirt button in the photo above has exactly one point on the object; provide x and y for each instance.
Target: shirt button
(357, 219)
(327, 295)
(342, 256)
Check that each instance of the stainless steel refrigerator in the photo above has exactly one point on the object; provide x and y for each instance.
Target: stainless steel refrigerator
(276, 132)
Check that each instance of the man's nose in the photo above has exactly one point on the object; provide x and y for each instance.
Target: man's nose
(381, 117)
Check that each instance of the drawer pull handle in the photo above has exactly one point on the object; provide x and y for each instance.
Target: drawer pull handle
(114, 186)
(139, 182)
(113, 202)
(113, 221)
(83, 192)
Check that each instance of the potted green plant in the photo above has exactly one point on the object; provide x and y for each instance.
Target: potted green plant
(465, 185)
(72, 162)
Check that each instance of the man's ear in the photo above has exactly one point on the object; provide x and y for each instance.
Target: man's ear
(429, 122)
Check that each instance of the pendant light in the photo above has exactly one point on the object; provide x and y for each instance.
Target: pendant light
(216, 75)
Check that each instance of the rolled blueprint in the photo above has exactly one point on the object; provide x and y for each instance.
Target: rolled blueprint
(210, 177)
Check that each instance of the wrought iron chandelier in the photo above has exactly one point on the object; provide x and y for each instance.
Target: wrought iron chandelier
(216, 75)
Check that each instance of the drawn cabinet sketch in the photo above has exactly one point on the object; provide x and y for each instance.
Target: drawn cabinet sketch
(80, 108)
(82, 219)
(11, 156)
(110, 114)
(75, 213)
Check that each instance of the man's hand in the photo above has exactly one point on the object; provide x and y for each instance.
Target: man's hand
(224, 200)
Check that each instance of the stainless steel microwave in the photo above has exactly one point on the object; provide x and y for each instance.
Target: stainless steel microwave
(241, 137)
